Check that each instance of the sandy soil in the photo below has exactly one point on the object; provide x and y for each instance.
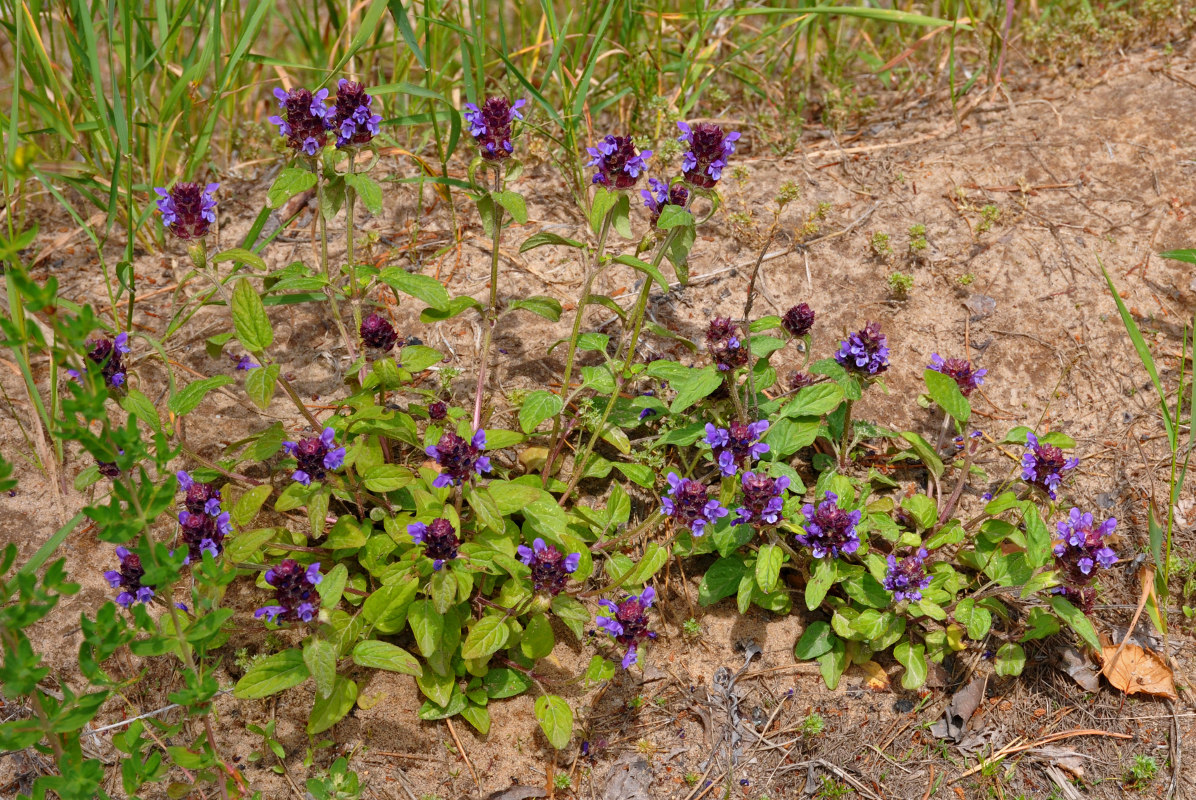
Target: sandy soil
(1096, 168)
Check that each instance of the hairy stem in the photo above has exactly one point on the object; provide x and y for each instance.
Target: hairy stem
(845, 442)
(492, 311)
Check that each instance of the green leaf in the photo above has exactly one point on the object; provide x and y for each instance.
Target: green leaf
(290, 182)
(1076, 619)
(327, 711)
(545, 238)
(556, 720)
(700, 384)
(511, 497)
(320, 657)
(1040, 624)
(945, 391)
(913, 658)
(387, 477)
(604, 201)
(925, 452)
(487, 636)
(571, 612)
(546, 307)
(260, 384)
(513, 203)
(1188, 256)
(421, 287)
(386, 608)
(814, 401)
(417, 357)
(249, 318)
(653, 559)
(383, 655)
(815, 641)
(367, 189)
(640, 474)
(501, 682)
(272, 674)
(537, 638)
(332, 587)
(457, 702)
(193, 394)
(786, 436)
(537, 407)
(436, 687)
(922, 509)
(833, 663)
(768, 567)
(976, 619)
(248, 504)
(620, 218)
(478, 717)
(243, 546)
(138, 405)
(721, 580)
(455, 307)
(1011, 660)
(646, 268)
(600, 669)
(241, 256)
(426, 625)
(671, 216)
(1038, 539)
(820, 582)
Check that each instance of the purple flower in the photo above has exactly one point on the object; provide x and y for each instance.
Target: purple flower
(202, 498)
(961, 370)
(619, 163)
(800, 380)
(1044, 465)
(305, 120)
(108, 468)
(377, 333)
(352, 119)
(866, 350)
(907, 578)
(438, 538)
(204, 532)
(128, 579)
(628, 622)
(458, 458)
(723, 344)
(763, 499)
(490, 126)
(244, 363)
(188, 209)
(1079, 549)
(550, 567)
(315, 456)
(798, 320)
(829, 530)
(736, 445)
(109, 355)
(437, 410)
(709, 147)
(659, 194)
(294, 592)
(688, 503)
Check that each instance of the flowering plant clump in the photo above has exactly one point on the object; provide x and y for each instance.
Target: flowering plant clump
(490, 126)
(1080, 548)
(659, 194)
(315, 456)
(305, 120)
(709, 148)
(128, 579)
(736, 445)
(550, 568)
(960, 370)
(438, 538)
(377, 333)
(628, 623)
(724, 345)
(866, 350)
(763, 500)
(830, 531)
(619, 163)
(352, 119)
(1044, 465)
(459, 459)
(109, 355)
(188, 210)
(294, 592)
(798, 320)
(689, 503)
(907, 578)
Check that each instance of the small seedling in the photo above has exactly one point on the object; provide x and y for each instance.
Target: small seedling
(812, 725)
(562, 781)
(989, 215)
(692, 778)
(967, 279)
(1142, 771)
(900, 284)
(881, 245)
(691, 627)
(917, 238)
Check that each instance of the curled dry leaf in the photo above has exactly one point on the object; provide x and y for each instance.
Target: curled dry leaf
(1137, 671)
(875, 677)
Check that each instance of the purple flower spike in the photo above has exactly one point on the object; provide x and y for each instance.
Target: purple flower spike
(305, 121)
(439, 539)
(550, 568)
(659, 194)
(1044, 465)
(490, 126)
(960, 370)
(907, 578)
(866, 350)
(458, 459)
(619, 163)
(763, 500)
(188, 209)
(355, 124)
(829, 530)
(316, 456)
(244, 363)
(724, 345)
(377, 333)
(108, 354)
(204, 532)
(128, 579)
(202, 498)
(1081, 548)
(798, 320)
(737, 445)
(689, 504)
(294, 592)
(709, 148)
(628, 622)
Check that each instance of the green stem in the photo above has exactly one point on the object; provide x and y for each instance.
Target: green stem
(331, 289)
(492, 311)
(845, 442)
(350, 202)
(185, 651)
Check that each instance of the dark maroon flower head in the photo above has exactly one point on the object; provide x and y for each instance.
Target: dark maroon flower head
(188, 209)
(305, 119)
(763, 500)
(798, 320)
(109, 355)
(377, 333)
(439, 539)
(660, 194)
(907, 578)
(490, 126)
(128, 579)
(295, 592)
(828, 529)
(202, 498)
(355, 124)
(618, 161)
(550, 567)
(458, 459)
(437, 410)
(108, 468)
(724, 345)
(316, 456)
(1044, 465)
(628, 622)
(866, 350)
(204, 532)
(709, 147)
(960, 369)
(689, 503)
(800, 380)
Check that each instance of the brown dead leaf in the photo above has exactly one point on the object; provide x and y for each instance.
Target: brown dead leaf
(875, 677)
(1137, 671)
